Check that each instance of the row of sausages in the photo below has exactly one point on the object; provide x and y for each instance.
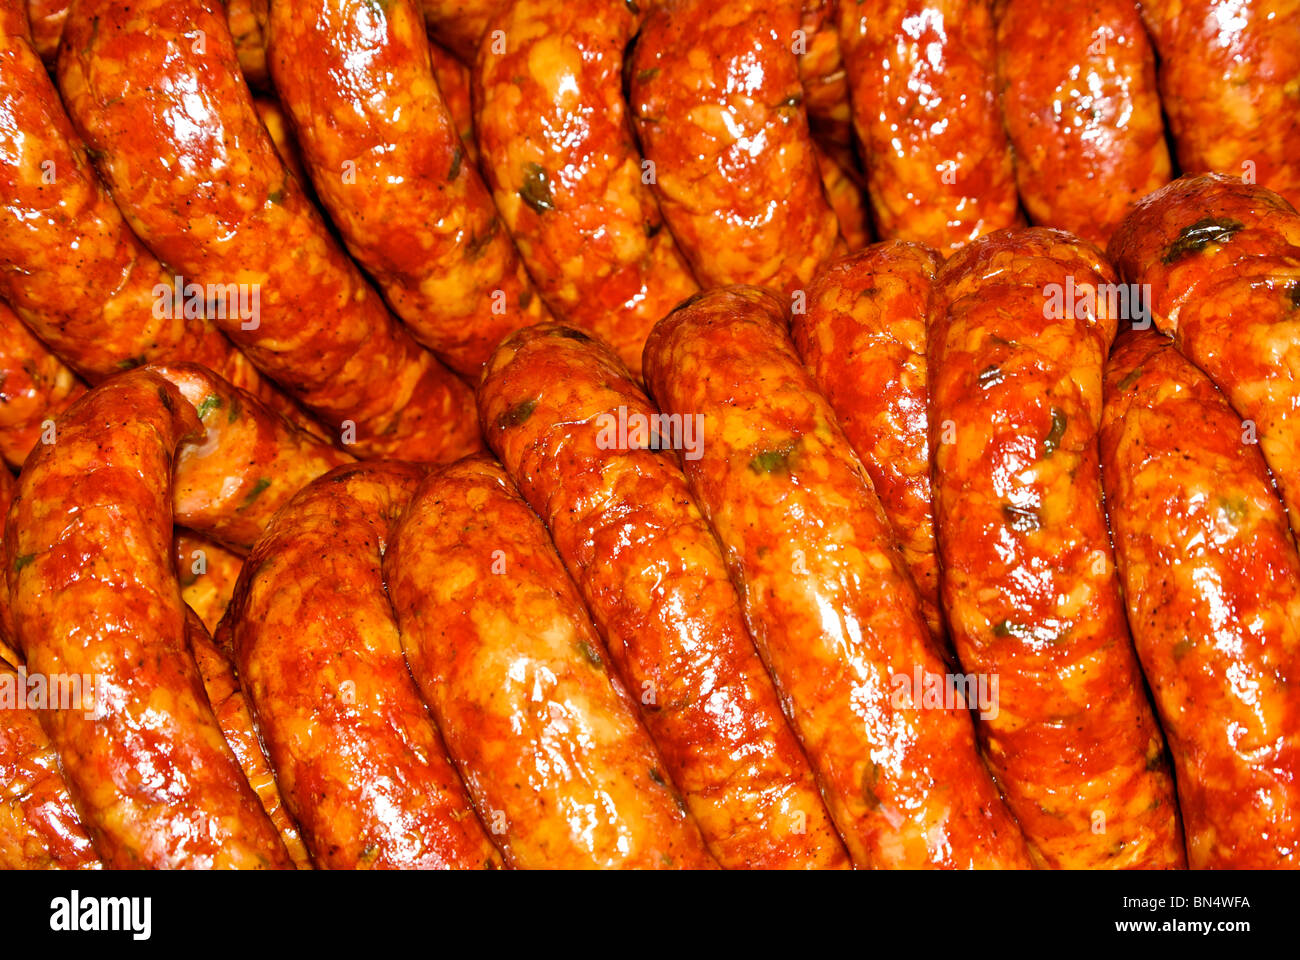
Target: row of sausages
(617, 646)
(623, 155)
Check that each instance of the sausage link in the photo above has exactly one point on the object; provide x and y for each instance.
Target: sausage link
(652, 575)
(1212, 581)
(716, 97)
(922, 81)
(188, 160)
(47, 18)
(207, 572)
(1230, 85)
(1079, 97)
(459, 24)
(821, 71)
(863, 340)
(563, 165)
(69, 266)
(39, 826)
(248, 462)
(248, 20)
(231, 710)
(825, 592)
(455, 83)
(286, 145)
(88, 557)
(1221, 262)
(846, 198)
(501, 646)
(1028, 579)
(387, 162)
(360, 764)
(35, 387)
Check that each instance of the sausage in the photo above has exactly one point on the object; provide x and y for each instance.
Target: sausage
(562, 163)
(87, 553)
(715, 93)
(247, 20)
(318, 329)
(249, 461)
(922, 80)
(455, 84)
(846, 199)
(1028, 579)
(7, 629)
(286, 146)
(359, 762)
(821, 72)
(459, 24)
(1229, 82)
(47, 18)
(388, 164)
(651, 573)
(1212, 581)
(35, 387)
(825, 592)
(1079, 97)
(513, 671)
(39, 826)
(863, 340)
(69, 266)
(231, 710)
(1221, 262)
(207, 572)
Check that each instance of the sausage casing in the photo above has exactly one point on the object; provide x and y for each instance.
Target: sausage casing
(35, 387)
(560, 156)
(1212, 581)
(546, 738)
(715, 93)
(1078, 87)
(922, 82)
(359, 762)
(1028, 581)
(863, 339)
(93, 589)
(1230, 82)
(1220, 262)
(627, 528)
(188, 160)
(389, 165)
(825, 592)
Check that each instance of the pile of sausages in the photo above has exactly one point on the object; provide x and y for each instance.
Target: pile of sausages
(598, 434)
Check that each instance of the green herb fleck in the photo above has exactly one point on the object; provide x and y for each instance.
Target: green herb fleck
(236, 408)
(657, 777)
(1182, 648)
(536, 191)
(589, 654)
(24, 560)
(775, 460)
(479, 242)
(261, 484)
(1130, 378)
(646, 75)
(276, 196)
(210, 402)
(130, 363)
(568, 333)
(517, 414)
(871, 780)
(1235, 509)
(1201, 234)
(1021, 519)
(457, 157)
(1294, 294)
(1055, 432)
(1008, 628)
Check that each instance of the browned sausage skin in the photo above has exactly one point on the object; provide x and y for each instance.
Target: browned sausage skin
(1212, 582)
(88, 558)
(1028, 580)
(360, 763)
(1219, 262)
(825, 592)
(1078, 89)
(389, 165)
(863, 339)
(35, 387)
(627, 528)
(545, 736)
(200, 182)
